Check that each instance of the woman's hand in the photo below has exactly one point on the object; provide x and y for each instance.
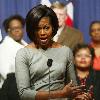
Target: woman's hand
(83, 96)
(71, 90)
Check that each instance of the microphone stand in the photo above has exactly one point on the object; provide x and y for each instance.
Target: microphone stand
(49, 63)
(49, 84)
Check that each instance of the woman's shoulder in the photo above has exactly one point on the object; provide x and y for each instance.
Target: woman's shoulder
(58, 45)
(31, 45)
(62, 48)
(26, 49)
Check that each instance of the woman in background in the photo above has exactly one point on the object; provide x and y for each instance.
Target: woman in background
(94, 32)
(83, 60)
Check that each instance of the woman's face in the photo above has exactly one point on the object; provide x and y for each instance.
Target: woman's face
(61, 15)
(95, 32)
(44, 32)
(83, 58)
(16, 30)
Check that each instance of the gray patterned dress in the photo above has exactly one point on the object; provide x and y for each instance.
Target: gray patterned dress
(32, 72)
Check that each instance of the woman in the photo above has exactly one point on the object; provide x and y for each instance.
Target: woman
(34, 77)
(14, 27)
(94, 31)
(83, 59)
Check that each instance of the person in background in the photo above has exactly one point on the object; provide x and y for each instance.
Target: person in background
(65, 35)
(0, 36)
(83, 61)
(69, 5)
(94, 32)
(41, 66)
(11, 44)
(95, 42)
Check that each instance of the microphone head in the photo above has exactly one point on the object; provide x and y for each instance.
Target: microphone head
(49, 62)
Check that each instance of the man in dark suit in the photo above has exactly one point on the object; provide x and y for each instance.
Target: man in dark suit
(66, 35)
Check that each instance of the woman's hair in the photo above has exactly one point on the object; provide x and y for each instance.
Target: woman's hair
(34, 16)
(92, 23)
(7, 21)
(83, 46)
(58, 5)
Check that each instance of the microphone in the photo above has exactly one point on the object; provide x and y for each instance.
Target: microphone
(49, 64)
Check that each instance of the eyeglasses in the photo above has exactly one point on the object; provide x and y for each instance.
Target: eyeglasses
(95, 30)
(85, 55)
(15, 29)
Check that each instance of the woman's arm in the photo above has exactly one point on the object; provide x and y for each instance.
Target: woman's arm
(43, 95)
(70, 68)
(68, 91)
(23, 76)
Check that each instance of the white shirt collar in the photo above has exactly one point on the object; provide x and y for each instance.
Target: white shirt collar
(55, 38)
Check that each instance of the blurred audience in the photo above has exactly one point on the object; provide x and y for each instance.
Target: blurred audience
(66, 35)
(83, 60)
(10, 45)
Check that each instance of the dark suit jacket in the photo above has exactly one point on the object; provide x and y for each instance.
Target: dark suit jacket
(9, 89)
(70, 37)
(97, 85)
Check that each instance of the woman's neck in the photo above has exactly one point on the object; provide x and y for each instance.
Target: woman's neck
(50, 45)
(81, 73)
(54, 45)
(96, 44)
(96, 47)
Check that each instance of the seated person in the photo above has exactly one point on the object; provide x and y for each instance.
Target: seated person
(83, 60)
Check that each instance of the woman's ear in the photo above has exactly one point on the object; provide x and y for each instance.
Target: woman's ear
(8, 30)
(53, 29)
(74, 61)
